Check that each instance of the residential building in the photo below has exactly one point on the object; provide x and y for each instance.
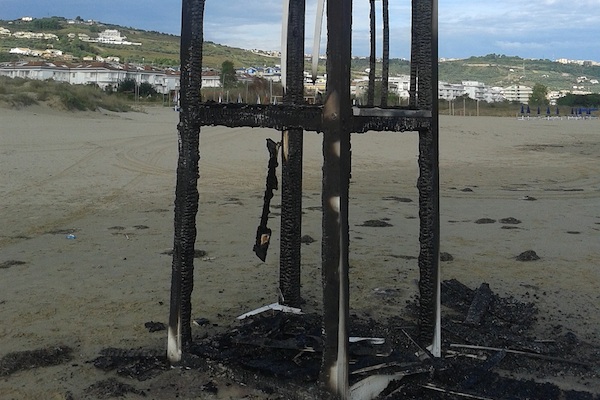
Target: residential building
(450, 91)
(475, 90)
(517, 93)
(113, 36)
(211, 79)
(35, 35)
(399, 85)
(105, 75)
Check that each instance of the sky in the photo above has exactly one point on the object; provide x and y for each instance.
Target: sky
(546, 29)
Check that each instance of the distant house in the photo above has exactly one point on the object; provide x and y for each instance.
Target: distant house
(211, 79)
(272, 74)
(20, 50)
(112, 36)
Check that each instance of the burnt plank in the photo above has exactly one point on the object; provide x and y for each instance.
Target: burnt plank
(479, 305)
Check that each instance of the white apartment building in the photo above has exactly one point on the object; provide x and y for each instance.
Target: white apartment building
(518, 93)
(399, 85)
(113, 36)
(450, 91)
(475, 90)
(110, 36)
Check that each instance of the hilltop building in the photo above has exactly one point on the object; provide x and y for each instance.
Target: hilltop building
(113, 36)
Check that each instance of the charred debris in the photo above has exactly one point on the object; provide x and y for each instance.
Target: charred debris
(489, 352)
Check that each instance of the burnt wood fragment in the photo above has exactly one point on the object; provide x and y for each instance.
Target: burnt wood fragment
(479, 305)
(263, 233)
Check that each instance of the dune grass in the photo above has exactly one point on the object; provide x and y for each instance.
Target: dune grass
(19, 92)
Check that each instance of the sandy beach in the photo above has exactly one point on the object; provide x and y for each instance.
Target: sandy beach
(108, 179)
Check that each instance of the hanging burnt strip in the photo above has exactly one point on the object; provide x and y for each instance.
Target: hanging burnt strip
(337, 118)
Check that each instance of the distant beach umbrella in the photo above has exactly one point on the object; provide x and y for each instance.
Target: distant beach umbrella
(557, 111)
(579, 111)
(522, 109)
(528, 109)
(539, 110)
(588, 111)
(548, 110)
(572, 111)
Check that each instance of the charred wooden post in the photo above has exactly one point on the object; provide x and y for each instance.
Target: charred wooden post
(428, 181)
(385, 69)
(337, 118)
(372, 60)
(186, 192)
(414, 54)
(291, 164)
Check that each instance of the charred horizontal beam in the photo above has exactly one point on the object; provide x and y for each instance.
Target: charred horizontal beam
(310, 118)
(361, 124)
(276, 116)
(390, 112)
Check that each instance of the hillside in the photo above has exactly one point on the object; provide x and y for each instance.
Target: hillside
(500, 70)
(163, 50)
(157, 48)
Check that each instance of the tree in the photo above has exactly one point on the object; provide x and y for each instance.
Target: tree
(228, 77)
(127, 85)
(539, 95)
(146, 90)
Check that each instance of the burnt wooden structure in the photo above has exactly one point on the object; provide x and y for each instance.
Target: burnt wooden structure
(337, 119)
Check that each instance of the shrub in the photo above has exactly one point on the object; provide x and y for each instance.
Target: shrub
(22, 100)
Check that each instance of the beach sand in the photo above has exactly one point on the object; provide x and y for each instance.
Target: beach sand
(109, 178)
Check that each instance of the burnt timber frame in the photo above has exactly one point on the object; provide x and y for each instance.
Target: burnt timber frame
(337, 119)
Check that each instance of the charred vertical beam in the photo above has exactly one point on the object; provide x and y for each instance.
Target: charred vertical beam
(291, 173)
(371, 88)
(428, 181)
(385, 69)
(337, 116)
(414, 55)
(186, 192)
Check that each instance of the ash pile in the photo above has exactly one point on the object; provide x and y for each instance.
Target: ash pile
(488, 351)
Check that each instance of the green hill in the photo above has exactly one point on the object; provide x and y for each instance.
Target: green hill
(500, 70)
(163, 50)
(157, 48)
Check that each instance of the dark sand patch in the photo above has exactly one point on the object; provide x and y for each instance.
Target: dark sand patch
(11, 263)
(30, 359)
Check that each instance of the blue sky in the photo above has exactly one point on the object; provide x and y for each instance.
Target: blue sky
(539, 29)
